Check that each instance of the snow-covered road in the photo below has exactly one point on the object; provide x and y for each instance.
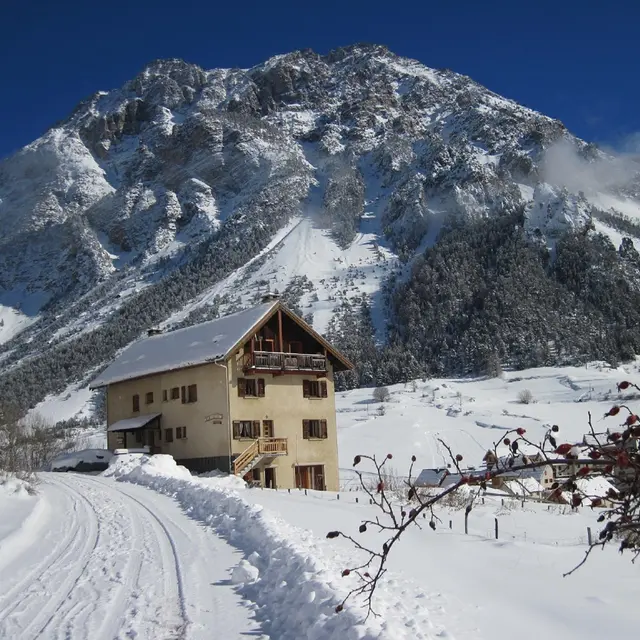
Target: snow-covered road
(105, 560)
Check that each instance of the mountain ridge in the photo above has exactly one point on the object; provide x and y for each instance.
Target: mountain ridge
(322, 176)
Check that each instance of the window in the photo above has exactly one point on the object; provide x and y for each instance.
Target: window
(165, 395)
(168, 435)
(314, 429)
(251, 388)
(246, 429)
(181, 433)
(189, 394)
(136, 402)
(148, 398)
(139, 436)
(314, 389)
(267, 428)
(175, 393)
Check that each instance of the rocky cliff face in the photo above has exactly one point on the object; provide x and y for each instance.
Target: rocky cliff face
(365, 153)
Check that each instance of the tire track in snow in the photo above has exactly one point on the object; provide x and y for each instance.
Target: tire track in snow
(183, 628)
(75, 618)
(72, 562)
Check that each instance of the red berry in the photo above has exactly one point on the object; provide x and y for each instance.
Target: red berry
(346, 572)
(520, 431)
(624, 385)
(380, 487)
(614, 436)
(507, 441)
(389, 456)
(563, 449)
(339, 608)
(459, 457)
(555, 428)
(584, 471)
(595, 454)
(632, 419)
(614, 411)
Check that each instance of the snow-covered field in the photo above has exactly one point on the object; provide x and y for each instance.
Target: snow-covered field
(148, 551)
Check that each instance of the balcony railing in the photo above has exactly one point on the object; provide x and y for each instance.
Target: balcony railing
(279, 361)
(258, 449)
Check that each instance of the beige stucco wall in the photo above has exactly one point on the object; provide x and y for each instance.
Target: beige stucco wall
(204, 437)
(284, 403)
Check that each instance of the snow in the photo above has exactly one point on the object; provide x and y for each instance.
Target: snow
(297, 584)
(205, 342)
(440, 584)
(270, 550)
(106, 560)
(472, 414)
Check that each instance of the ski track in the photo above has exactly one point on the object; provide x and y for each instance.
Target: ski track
(119, 562)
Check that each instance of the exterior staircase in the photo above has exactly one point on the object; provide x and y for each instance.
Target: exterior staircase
(257, 451)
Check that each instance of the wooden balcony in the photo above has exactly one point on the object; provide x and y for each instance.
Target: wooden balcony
(276, 361)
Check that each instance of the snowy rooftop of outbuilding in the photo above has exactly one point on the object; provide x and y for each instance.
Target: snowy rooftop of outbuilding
(205, 342)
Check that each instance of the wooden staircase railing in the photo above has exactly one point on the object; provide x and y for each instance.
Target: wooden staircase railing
(245, 457)
(263, 447)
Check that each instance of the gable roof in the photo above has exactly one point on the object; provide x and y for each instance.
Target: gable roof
(431, 477)
(211, 341)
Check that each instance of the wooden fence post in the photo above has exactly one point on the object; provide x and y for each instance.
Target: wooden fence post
(450, 524)
(496, 520)
(466, 522)
(589, 535)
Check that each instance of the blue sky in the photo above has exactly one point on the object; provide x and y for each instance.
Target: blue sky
(577, 61)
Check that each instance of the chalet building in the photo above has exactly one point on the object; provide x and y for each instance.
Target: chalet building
(250, 393)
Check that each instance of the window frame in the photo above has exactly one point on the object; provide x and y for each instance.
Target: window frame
(181, 433)
(148, 397)
(192, 393)
(251, 387)
(315, 429)
(175, 393)
(165, 395)
(136, 403)
(315, 389)
(168, 434)
(246, 429)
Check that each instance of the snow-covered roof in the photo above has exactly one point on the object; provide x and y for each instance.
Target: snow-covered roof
(205, 342)
(524, 486)
(431, 477)
(131, 424)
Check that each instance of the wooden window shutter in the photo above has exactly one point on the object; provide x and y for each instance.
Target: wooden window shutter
(323, 389)
(255, 430)
(306, 388)
(323, 428)
(305, 429)
(236, 428)
(183, 393)
(242, 388)
(261, 387)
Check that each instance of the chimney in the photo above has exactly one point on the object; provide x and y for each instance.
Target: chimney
(270, 297)
(154, 332)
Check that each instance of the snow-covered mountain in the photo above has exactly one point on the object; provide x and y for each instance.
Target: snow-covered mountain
(187, 193)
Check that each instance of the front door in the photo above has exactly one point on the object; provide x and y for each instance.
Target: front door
(267, 428)
(270, 478)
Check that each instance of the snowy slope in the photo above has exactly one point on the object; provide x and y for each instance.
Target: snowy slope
(470, 414)
(187, 193)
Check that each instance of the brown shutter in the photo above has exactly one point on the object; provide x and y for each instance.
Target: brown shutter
(305, 429)
(241, 387)
(236, 429)
(306, 388)
(183, 391)
(323, 389)
(255, 431)
(323, 428)
(261, 387)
